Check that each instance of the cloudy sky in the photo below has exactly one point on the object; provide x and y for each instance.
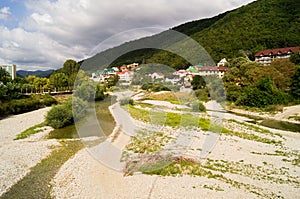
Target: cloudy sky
(42, 34)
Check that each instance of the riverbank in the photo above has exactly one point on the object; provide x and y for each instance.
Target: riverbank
(18, 156)
(249, 169)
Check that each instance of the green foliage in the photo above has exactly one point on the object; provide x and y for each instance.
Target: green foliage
(65, 114)
(257, 26)
(198, 106)
(198, 82)
(202, 94)
(126, 101)
(58, 80)
(90, 91)
(70, 67)
(30, 103)
(13, 90)
(295, 85)
(4, 76)
(295, 58)
(155, 87)
(262, 94)
(30, 131)
(60, 116)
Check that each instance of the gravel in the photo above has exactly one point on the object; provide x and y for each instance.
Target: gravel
(18, 156)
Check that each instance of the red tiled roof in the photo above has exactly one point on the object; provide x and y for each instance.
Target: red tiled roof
(278, 50)
(222, 68)
(209, 68)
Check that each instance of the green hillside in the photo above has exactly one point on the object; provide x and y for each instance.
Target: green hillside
(263, 24)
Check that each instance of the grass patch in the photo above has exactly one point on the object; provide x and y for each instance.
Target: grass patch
(286, 126)
(181, 166)
(188, 120)
(30, 131)
(254, 128)
(36, 184)
(295, 117)
(252, 137)
(172, 97)
(147, 142)
(168, 118)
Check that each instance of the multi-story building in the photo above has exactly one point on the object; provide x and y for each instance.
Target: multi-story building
(11, 69)
(267, 56)
(213, 70)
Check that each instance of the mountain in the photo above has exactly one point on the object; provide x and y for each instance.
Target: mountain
(38, 73)
(263, 24)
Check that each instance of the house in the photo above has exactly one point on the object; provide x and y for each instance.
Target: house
(157, 75)
(213, 70)
(222, 62)
(173, 78)
(193, 69)
(132, 66)
(125, 76)
(123, 68)
(11, 69)
(181, 73)
(267, 56)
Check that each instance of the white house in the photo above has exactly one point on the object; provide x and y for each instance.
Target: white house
(222, 62)
(267, 56)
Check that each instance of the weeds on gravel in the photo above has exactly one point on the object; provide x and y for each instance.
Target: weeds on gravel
(186, 120)
(30, 131)
(189, 167)
(151, 142)
(36, 184)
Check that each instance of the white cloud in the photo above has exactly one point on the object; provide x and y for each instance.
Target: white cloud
(56, 30)
(4, 13)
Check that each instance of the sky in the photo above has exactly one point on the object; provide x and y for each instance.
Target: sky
(43, 34)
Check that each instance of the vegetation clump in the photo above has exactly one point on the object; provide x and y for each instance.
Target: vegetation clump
(63, 115)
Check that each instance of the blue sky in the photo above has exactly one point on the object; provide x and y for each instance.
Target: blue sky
(17, 10)
(42, 34)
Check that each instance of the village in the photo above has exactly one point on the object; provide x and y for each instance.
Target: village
(184, 77)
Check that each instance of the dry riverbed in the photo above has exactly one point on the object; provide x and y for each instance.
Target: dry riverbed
(251, 162)
(246, 161)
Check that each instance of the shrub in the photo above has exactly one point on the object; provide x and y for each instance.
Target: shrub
(198, 106)
(126, 101)
(79, 108)
(63, 115)
(59, 116)
(202, 94)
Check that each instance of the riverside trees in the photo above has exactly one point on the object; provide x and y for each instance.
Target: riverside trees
(248, 83)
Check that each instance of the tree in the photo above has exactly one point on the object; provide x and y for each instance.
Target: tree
(295, 86)
(58, 80)
(4, 76)
(70, 67)
(262, 94)
(198, 82)
(281, 72)
(295, 58)
(30, 79)
(41, 82)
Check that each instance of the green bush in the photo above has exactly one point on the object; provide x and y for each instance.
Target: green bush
(155, 87)
(202, 94)
(126, 101)
(59, 116)
(26, 104)
(198, 106)
(65, 114)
